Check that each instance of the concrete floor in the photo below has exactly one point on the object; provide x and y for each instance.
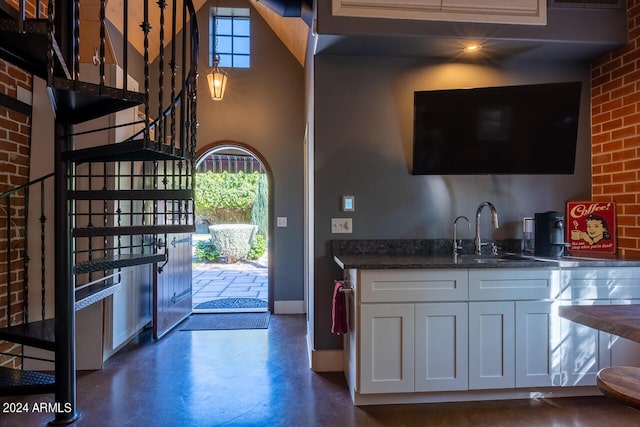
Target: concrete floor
(262, 378)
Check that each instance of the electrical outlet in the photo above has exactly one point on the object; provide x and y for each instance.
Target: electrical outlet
(341, 225)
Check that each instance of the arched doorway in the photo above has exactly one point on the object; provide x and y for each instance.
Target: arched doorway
(232, 269)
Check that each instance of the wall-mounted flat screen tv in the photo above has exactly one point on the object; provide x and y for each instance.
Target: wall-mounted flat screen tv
(528, 129)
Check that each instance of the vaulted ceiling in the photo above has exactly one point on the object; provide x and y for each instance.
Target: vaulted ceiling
(292, 31)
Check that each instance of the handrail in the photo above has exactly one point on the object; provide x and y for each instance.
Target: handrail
(23, 186)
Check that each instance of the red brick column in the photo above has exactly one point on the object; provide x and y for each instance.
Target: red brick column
(15, 136)
(615, 134)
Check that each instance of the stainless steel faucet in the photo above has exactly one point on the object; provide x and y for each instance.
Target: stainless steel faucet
(458, 245)
(494, 219)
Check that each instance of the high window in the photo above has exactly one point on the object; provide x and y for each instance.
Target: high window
(229, 35)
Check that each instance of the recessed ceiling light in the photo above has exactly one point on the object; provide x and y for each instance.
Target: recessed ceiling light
(472, 48)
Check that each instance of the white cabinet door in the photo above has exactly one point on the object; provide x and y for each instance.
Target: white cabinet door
(534, 352)
(530, 12)
(386, 348)
(584, 350)
(441, 341)
(499, 6)
(491, 345)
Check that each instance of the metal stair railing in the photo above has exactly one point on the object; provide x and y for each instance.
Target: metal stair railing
(15, 208)
(163, 150)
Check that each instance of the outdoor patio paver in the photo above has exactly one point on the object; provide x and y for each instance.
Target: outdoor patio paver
(240, 280)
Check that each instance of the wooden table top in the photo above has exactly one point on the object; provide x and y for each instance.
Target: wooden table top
(621, 320)
(621, 383)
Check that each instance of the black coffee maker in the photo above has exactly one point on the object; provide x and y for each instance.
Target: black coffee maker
(549, 234)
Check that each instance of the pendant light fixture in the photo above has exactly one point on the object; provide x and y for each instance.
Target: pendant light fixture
(216, 77)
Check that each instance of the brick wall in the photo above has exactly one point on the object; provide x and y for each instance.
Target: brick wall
(15, 131)
(615, 134)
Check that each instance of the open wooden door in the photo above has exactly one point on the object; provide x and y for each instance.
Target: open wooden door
(172, 285)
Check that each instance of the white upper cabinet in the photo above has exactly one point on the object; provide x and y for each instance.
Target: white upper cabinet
(529, 12)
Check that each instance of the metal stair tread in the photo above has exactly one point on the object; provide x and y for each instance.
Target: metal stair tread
(77, 101)
(40, 334)
(14, 382)
(130, 150)
(132, 230)
(28, 49)
(94, 293)
(118, 261)
(152, 194)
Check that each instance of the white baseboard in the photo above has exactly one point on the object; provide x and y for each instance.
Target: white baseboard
(288, 307)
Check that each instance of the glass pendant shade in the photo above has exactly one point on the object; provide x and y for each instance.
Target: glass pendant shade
(217, 79)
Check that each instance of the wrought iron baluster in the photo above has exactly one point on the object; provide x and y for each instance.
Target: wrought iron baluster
(43, 252)
(8, 260)
(50, 35)
(160, 129)
(103, 36)
(174, 67)
(146, 28)
(22, 12)
(125, 44)
(76, 41)
(183, 117)
(25, 257)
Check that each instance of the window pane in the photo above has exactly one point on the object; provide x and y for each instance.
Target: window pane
(241, 27)
(241, 61)
(225, 60)
(229, 30)
(224, 26)
(223, 45)
(241, 45)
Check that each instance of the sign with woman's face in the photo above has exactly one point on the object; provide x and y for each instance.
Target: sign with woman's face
(591, 226)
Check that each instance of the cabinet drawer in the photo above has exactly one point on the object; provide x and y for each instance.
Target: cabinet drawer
(600, 283)
(413, 285)
(494, 284)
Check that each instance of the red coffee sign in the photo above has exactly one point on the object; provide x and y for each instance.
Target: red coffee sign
(591, 226)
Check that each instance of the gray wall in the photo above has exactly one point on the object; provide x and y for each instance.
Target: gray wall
(263, 108)
(363, 147)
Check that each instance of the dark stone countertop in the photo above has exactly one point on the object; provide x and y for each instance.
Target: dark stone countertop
(399, 254)
(375, 261)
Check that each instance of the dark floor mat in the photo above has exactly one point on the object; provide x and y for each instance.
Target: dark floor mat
(225, 321)
(232, 303)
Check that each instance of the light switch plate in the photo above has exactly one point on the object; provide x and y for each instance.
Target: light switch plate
(341, 225)
(281, 221)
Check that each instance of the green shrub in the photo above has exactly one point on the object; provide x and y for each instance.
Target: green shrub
(225, 197)
(206, 251)
(259, 212)
(258, 248)
(233, 241)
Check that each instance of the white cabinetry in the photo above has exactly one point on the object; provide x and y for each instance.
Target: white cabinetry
(535, 354)
(586, 350)
(387, 354)
(491, 345)
(510, 344)
(479, 333)
(531, 12)
(441, 346)
(509, 331)
(401, 344)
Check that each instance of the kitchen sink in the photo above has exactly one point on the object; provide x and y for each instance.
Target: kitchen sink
(506, 257)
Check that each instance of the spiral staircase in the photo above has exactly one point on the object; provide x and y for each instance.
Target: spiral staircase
(115, 202)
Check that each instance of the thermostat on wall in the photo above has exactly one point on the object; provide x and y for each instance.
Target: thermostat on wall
(348, 203)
